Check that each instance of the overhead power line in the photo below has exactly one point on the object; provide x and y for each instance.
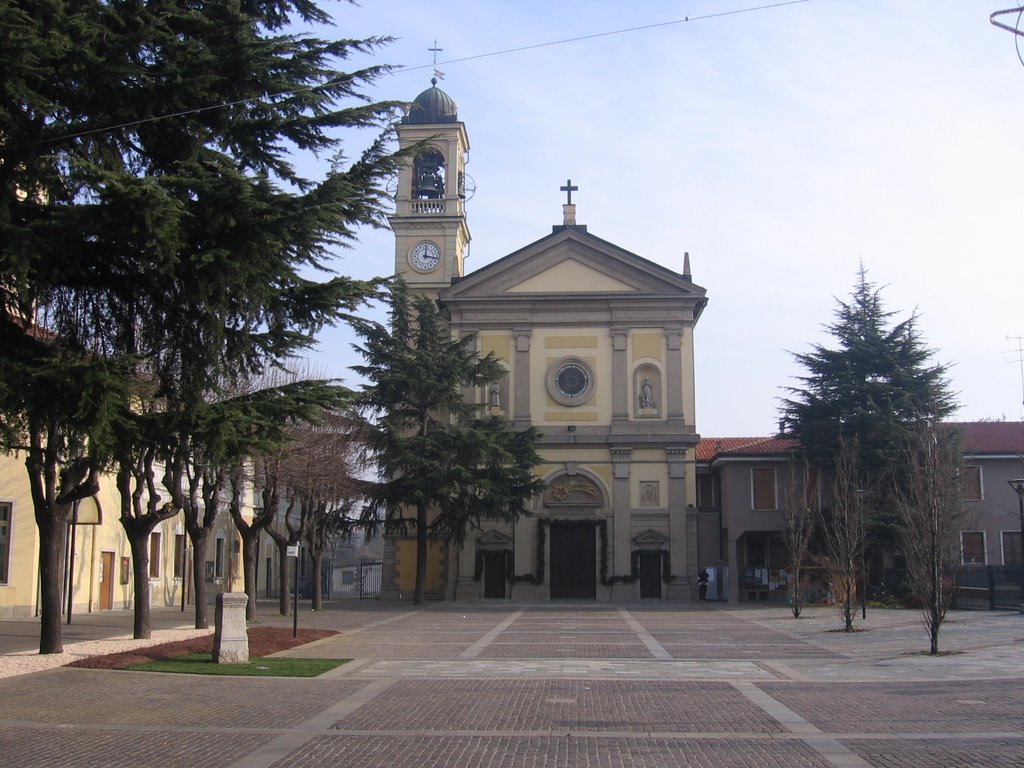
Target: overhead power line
(520, 49)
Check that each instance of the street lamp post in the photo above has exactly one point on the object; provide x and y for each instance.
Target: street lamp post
(1018, 486)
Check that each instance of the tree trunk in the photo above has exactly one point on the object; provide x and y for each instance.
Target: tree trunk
(250, 554)
(421, 554)
(52, 539)
(199, 539)
(796, 595)
(317, 597)
(138, 540)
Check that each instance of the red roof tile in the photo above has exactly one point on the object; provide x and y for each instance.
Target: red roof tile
(980, 437)
(992, 436)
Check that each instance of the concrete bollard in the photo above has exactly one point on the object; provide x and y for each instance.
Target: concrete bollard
(230, 641)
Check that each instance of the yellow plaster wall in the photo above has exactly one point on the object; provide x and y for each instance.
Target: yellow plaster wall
(647, 345)
(498, 343)
(570, 276)
(552, 345)
(406, 565)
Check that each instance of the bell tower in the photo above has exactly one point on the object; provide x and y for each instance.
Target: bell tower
(431, 234)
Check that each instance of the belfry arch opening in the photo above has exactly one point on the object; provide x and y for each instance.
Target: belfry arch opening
(428, 176)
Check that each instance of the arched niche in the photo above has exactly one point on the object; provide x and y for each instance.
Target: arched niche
(647, 391)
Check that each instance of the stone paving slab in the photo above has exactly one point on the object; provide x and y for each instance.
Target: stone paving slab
(549, 751)
(920, 753)
(562, 705)
(111, 748)
(603, 669)
(912, 707)
(582, 685)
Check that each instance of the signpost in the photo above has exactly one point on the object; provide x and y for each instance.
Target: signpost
(293, 552)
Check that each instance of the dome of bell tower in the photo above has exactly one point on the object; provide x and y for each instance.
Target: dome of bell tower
(432, 106)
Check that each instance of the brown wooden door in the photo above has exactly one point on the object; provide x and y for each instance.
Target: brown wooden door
(494, 575)
(650, 575)
(106, 581)
(573, 562)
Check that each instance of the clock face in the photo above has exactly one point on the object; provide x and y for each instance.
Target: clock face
(424, 256)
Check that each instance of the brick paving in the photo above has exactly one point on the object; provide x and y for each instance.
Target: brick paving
(500, 684)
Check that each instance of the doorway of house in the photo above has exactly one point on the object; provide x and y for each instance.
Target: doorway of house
(106, 581)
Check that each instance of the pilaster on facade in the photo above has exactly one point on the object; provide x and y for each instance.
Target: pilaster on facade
(620, 374)
(521, 377)
(674, 369)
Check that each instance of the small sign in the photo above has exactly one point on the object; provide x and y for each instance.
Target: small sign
(293, 550)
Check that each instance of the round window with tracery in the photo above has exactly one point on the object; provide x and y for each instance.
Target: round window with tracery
(571, 382)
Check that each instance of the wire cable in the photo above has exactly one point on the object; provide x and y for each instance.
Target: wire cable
(267, 97)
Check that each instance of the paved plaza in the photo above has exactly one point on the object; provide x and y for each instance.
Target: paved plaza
(557, 685)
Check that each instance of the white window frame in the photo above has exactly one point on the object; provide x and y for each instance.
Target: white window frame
(984, 548)
(1002, 543)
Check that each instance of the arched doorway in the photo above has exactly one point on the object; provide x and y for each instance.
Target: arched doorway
(572, 501)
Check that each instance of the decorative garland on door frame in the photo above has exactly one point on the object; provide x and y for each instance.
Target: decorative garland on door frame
(606, 580)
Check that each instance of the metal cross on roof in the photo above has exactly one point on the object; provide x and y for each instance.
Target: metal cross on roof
(569, 189)
(435, 51)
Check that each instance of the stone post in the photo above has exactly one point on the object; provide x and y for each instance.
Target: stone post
(230, 641)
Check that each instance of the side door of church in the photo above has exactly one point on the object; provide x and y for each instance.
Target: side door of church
(494, 575)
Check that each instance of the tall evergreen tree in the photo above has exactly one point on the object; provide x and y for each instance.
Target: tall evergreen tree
(154, 229)
(871, 390)
(874, 386)
(444, 466)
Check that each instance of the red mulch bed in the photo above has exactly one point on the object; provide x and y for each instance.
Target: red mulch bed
(263, 641)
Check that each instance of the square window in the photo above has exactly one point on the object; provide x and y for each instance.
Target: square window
(970, 483)
(762, 482)
(179, 555)
(1011, 548)
(705, 491)
(154, 555)
(5, 539)
(972, 545)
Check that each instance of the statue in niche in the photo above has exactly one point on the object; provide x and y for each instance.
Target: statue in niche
(646, 394)
(495, 395)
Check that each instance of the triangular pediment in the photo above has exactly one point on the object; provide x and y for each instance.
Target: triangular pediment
(494, 539)
(571, 276)
(650, 537)
(573, 262)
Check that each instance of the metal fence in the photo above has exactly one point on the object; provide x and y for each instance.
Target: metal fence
(370, 572)
(997, 587)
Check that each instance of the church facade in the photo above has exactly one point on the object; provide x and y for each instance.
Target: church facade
(597, 345)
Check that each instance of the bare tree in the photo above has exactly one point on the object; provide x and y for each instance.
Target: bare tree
(324, 463)
(842, 528)
(802, 504)
(930, 505)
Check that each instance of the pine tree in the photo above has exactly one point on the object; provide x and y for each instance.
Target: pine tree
(873, 388)
(444, 466)
(875, 385)
(155, 239)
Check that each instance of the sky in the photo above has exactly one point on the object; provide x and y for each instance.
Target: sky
(782, 147)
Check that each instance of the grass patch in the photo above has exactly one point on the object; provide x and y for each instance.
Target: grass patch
(203, 664)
